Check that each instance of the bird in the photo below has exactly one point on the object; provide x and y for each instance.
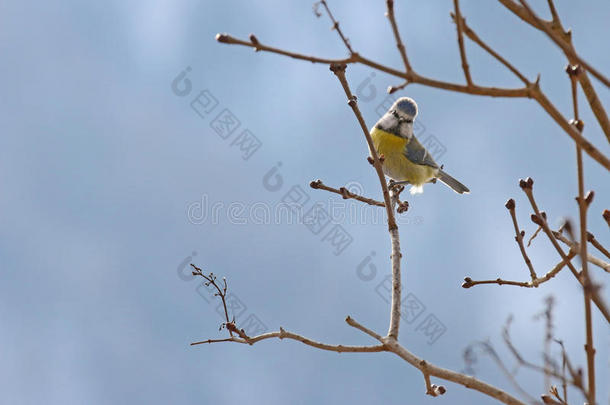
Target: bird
(406, 160)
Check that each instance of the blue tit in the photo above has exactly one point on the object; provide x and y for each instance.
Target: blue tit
(406, 160)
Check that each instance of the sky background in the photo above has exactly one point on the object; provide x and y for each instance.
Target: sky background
(111, 183)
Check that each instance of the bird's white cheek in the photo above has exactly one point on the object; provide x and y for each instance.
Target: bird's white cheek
(406, 131)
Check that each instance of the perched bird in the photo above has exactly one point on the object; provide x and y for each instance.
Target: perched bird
(406, 160)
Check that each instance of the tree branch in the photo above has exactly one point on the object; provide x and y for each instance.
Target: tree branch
(283, 334)
(597, 245)
(337, 28)
(510, 206)
(566, 48)
(345, 193)
(540, 219)
(565, 36)
(401, 47)
(339, 71)
(459, 23)
(583, 205)
(468, 282)
(576, 246)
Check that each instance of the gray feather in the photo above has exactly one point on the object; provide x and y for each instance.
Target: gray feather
(416, 153)
(453, 183)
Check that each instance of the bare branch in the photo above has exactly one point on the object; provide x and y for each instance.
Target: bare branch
(411, 77)
(345, 193)
(283, 334)
(567, 49)
(576, 246)
(566, 37)
(491, 352)
(339, 71)
(469, 32)
(576, 380)
(468, 282)
(554, 14)
(529, 241)
(597, 245)
(352, 322)
(337, 28)
(459, 23)
(531, 91)
(222, 293)
(254, 43)
(539, 219)
(399, 44)
(432, 389)
(510, 206)
(583, 205)
(448, 375)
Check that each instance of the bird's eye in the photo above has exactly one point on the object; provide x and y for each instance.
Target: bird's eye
(409, 121)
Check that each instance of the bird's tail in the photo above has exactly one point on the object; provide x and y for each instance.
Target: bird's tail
(453, 183)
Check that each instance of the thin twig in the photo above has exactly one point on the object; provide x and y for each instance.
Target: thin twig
(469, 32)
(586, 85)
(345, 193)
(459, 23)
(283, 334)
(353, 323)
(399, 44)
(211, 279)
(564, 358)
(576, 381)
(554, 14)
(539, 96)
(431, 389)
(468, 282)
(510, 205)
(539, 219)
(337, 28)
(597, 245)
(548, 338)
(590, 258)
(529, 241)
(568, 50)
(583, 205)
(491, 352)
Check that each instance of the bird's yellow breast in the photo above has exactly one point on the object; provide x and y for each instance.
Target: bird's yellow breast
(396, 164)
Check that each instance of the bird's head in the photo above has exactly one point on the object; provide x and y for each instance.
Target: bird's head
(399, 118)
(405, 108)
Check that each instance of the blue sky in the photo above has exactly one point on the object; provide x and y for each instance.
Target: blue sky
(111, 183)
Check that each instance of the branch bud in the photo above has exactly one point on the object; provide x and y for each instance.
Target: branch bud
(527, 183)
(315, 184)
(573, 70)
(535, 219)
(224, 38)
(254, 40)
(589, 197)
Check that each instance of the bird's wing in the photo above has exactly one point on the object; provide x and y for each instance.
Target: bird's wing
(416, 153)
